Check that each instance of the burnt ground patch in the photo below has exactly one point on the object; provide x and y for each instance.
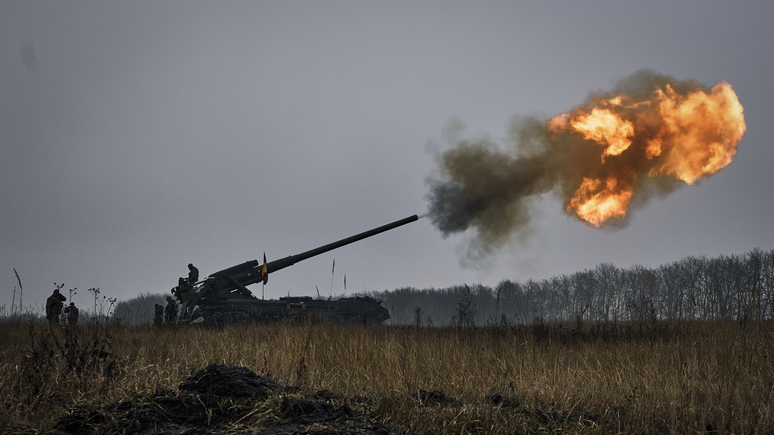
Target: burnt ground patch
(225, 399)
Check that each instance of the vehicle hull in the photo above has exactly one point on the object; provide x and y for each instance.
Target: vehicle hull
(353, 310)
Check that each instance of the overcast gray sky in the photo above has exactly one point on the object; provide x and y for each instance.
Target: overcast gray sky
(136, 137)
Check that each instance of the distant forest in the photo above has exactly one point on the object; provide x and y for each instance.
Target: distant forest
(731, 288)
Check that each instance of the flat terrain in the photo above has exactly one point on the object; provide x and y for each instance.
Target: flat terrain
(628, 378)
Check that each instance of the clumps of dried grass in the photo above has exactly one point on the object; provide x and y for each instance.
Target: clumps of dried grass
(634, 378)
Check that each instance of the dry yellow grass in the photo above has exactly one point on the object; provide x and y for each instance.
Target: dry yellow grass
(662, 378)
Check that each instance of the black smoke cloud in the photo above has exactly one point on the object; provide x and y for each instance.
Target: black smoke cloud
(481, 186)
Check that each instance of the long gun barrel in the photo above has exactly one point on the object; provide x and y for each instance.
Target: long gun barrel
(250, 272)
(293, 259)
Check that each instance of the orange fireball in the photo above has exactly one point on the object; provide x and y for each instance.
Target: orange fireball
(699, 132)
(597, 203)
(685, 136)
(607, 129)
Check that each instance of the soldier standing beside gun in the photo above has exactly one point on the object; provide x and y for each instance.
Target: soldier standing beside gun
(54, 307)
(158, 314)
(185, 287)
(170, 312)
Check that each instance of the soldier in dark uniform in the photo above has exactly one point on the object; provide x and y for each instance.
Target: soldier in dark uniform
(72, 314)
(184, 292)
(193, 274)
(158, 314)
(185, 287)
(54, 306)
(170, 312)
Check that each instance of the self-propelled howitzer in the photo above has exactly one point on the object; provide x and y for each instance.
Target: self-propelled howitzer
(224, 297)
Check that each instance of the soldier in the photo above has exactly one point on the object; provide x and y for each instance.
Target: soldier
(184, 292)
(158, 314)
(72, 314)
(170, 312)
(193, 274)
(54, 306)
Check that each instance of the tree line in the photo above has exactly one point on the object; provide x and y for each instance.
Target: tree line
(729, 287)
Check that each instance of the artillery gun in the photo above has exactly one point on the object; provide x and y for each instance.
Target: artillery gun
(223, 297)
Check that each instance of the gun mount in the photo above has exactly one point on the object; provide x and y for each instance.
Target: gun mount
(223, 296)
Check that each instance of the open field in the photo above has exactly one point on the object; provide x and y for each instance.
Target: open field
(638, 378)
